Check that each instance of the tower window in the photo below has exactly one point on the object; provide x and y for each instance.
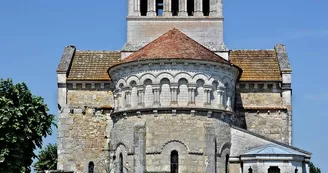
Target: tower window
(175, 7)
(91, 167)
(121, 163)
(143, 7)
(174, 162)
(190, 7)
(274, 169)
(206, 7)
(159, 7)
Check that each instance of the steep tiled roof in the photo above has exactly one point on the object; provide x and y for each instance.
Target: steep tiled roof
(174, 45)
(92, 65)
(257, 65)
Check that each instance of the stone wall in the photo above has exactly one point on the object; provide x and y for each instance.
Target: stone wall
(83, 130)
(262, 108)
(81, 139)
(196, 138)
(270, 123)
(206, 31)
(90, 98)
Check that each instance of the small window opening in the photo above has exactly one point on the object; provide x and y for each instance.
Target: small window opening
(91, 167)
(250, 170)
(227, 164)
(121, 162)
(143, 7)
(190, 7)
(206, 7)
(296, 170)
(174, 162)
(274, 169)
(159, 7)
(175, 7)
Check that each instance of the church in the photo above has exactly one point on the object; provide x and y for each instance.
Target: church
(175, 99)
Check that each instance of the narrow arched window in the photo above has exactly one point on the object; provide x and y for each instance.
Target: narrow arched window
(206, 7)
(143, 7)
(174, 162)
(274, 169)
(250, 170)
(121, 163)
(190, 7)
(175, 7)
(296, 170)
(159, 7)
(227, 164)
(91, 167)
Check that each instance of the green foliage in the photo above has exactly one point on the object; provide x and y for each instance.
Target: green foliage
(23, 122)
(47, 158)
(314, 169)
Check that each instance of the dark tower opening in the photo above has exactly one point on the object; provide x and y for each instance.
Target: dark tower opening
(274, 169)
(206, 7)
(91, 167)
(159, 7)
(190, 7)
(174, 162)
(143, 7)
(121, 162)
(175, 7)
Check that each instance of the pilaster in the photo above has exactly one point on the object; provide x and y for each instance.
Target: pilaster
(139, 147)
(210, 165)
(198, 8)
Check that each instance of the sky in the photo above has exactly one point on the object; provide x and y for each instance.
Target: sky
(34, 33)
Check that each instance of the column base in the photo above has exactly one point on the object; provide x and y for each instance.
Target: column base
(198, 13)
(183, 14)
(151, 14)
(215, 14)
(167, 14)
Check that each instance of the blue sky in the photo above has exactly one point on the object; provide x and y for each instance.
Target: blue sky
(34, 33)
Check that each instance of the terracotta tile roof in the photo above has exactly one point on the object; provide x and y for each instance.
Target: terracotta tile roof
(174, 45)
(92, 65)
(257, 65)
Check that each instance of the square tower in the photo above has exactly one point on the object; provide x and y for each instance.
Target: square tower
(202, 20)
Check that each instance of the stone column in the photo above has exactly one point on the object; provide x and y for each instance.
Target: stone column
(208, 95)
(174, 94)
(210, 165)
(191, 92)
(220, 99)
(156, 95)
(137, 8)
(213, 7)
(140, 96)
(167, 11)
(183, 8)
(139, 147)
(229, 95)
(128, 98)
(151, 8)
(198, 7)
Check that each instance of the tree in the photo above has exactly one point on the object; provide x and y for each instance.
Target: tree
(24, 121)
(47, 158)
(314, 169)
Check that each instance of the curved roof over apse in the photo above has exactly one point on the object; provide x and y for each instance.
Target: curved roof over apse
(174, 45)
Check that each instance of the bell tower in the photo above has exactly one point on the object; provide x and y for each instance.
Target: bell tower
(202, 20)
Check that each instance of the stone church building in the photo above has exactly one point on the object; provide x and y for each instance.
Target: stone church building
(176, 99)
